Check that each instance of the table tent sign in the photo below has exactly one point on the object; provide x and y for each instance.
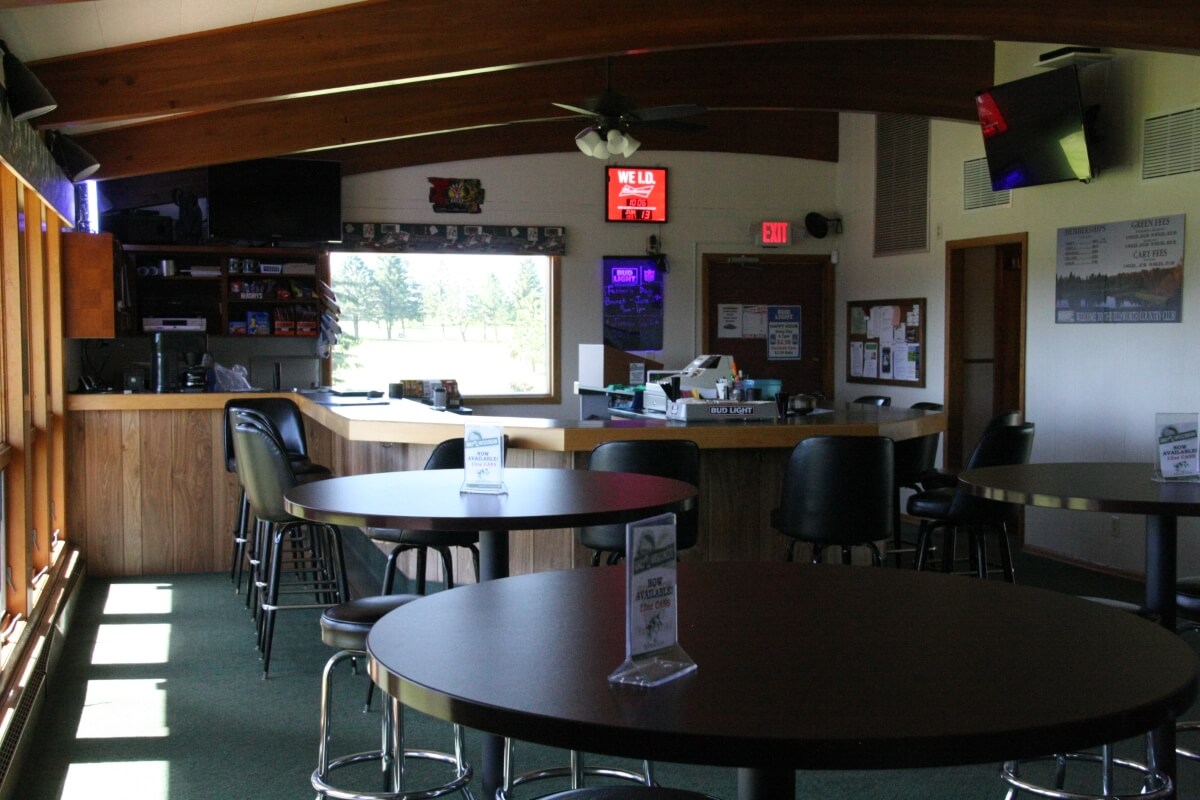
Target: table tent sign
(483, 460)
(1177, 447)
(652, 652)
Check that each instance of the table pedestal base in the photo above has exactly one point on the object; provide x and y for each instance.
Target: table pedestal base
(766, 784)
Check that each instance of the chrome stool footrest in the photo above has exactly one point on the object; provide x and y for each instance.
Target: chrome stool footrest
(459, 784)
(1180, 750)
(575, 772)
(1155, 783)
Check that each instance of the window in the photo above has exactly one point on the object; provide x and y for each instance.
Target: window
(487, 321)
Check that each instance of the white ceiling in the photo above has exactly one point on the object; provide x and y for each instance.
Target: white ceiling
(53, 29)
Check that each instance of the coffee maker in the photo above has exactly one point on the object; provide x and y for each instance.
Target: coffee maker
(168, 350)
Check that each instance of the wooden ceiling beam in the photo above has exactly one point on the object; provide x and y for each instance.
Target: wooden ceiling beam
(793, 134)
(920, 77)
(382, 41)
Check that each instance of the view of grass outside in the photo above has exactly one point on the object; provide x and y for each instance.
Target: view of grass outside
(483, 320)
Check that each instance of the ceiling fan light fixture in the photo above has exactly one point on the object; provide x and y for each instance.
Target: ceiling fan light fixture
(587, 140)
(631, 146)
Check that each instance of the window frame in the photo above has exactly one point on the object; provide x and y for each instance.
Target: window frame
(554, 336)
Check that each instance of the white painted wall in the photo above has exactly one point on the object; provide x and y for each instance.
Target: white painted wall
(715, 199)
(1091, 390)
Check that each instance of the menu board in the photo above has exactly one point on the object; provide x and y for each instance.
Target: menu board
(885, 342)
(1129, 271)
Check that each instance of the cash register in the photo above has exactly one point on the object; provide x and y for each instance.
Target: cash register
(697, 378)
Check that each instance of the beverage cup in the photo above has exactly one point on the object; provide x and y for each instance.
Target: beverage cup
(781, 404)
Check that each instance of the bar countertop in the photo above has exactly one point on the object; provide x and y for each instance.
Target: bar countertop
(410, 422)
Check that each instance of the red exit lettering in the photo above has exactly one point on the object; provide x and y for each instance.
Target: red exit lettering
(775, 233)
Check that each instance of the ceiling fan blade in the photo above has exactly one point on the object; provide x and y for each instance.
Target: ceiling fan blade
(667, 112)
(670, 125)
(575, 109)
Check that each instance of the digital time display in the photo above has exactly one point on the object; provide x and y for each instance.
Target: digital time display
(636, 194)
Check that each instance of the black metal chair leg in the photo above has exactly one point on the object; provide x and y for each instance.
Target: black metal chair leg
(1006, 559)
(922, 545)
(422, 563)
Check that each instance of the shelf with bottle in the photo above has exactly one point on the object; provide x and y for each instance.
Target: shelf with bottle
(235, 290)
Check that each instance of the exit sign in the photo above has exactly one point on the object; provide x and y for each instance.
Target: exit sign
(776, 233)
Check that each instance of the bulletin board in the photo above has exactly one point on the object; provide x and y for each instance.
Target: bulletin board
(885, 342)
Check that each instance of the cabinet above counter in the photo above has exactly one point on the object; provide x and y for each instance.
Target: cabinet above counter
(218, 290)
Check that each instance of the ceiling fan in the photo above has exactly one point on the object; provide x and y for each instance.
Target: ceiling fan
(614, 113)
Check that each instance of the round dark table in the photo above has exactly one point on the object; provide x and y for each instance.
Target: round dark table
(537, 499)
(1116, 488)
(799, 667)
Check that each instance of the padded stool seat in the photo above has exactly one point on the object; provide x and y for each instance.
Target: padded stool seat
(1187, 597)
(346, 626)
(627, 793)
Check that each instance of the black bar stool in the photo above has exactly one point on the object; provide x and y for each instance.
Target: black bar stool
(446, 455)
(346, 626)
(838, 491)
(1153, 782)
(310, 553)
(949, 508)
(289, 426)
(678, 459)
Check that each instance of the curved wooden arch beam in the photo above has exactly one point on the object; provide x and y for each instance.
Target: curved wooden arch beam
(919, 77)
(392, 41)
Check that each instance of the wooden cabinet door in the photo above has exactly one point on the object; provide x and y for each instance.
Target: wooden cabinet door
(806, 281)
(89, 311)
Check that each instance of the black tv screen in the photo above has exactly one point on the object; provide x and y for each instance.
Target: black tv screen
(277, 200)
(1035, 130)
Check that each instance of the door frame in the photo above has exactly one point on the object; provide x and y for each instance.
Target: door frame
(829, 290)
(1012, 250)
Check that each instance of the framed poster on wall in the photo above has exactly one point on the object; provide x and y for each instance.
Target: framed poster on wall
(885, 342)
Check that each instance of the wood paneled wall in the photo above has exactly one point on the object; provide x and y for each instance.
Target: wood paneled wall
(150, 495)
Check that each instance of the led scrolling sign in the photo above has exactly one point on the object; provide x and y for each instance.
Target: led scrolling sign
(636, 194)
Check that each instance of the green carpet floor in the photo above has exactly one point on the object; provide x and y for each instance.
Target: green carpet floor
(159, 696)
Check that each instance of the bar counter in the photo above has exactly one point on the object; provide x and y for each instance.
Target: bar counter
(149, 492)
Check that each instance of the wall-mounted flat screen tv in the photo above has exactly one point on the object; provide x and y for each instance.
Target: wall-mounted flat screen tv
(1037, 130)
(276, 200)
(636, 194)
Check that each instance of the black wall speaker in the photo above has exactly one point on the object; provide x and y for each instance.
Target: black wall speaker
(818, 226)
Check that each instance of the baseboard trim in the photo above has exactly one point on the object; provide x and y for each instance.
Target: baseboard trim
(1052, 555)
(37, 659)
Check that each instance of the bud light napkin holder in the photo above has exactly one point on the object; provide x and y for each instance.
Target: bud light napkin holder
(1177, 448)
(483, 460)
(652, 652)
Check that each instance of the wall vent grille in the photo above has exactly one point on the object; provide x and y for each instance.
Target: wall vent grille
(977, 187)
(901, 184)
(1171, 144)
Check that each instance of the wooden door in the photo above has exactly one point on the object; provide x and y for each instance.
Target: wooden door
(806, 281)
(998, 377)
